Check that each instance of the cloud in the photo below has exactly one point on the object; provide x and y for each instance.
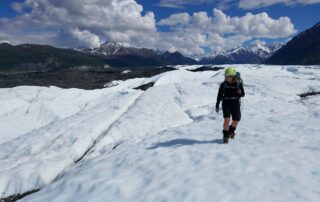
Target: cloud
(243, 4)
(252, 4)
(259, 25)
(18, 7)
(83, 22)
(175, 19)
(220, 32)
(182, 3)
(88, 23)
(258, 43)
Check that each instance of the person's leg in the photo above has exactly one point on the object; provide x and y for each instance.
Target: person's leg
(232, 128)
(226, 116)
(236, 116)
(226, 124)
(234, 123)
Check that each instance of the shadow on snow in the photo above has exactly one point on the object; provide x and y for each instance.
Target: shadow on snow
(184, 142)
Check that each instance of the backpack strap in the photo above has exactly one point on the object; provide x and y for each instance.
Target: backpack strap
(226, 85)
(231, 98)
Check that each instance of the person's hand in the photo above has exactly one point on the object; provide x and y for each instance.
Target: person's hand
(239, 91)
(217, 109)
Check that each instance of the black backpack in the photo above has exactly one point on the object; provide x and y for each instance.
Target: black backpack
(239, 79)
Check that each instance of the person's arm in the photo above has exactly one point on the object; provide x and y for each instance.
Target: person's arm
(219, 96)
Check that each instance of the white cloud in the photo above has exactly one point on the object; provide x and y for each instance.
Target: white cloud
(244, 4)
(86, 22)
(175, 19)
(258, 43)
(252, 4)
(181, 3)
(75, 23)
(18, 7)
(259, 25)
(220, 31)
(85, 37)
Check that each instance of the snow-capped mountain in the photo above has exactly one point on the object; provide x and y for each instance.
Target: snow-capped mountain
(121, 54)
(265, 50)
(120, 49)
(254, 54)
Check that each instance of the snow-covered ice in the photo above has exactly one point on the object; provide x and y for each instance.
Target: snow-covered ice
(164, 144)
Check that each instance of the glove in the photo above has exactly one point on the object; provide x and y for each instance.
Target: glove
(217, 109)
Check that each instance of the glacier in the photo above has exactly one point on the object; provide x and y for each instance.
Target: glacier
(164, 144)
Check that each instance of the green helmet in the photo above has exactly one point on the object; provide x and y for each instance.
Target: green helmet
(230, 71)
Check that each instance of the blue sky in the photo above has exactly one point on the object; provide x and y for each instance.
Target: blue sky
(302, 16)
(162, 24)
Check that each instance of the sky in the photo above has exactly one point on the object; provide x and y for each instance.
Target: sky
(193, 27)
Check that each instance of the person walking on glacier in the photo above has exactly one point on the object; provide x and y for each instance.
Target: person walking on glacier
(230, 92)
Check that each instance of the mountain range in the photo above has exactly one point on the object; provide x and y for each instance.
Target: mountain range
(42, 58)
(254, 54)
(118, 54)
(304, 49)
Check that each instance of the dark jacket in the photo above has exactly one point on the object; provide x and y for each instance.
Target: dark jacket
(229, 92)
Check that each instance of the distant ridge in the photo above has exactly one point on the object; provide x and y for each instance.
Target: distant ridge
(304, 49)
(40, 58)
(254, 54)
(119, 54)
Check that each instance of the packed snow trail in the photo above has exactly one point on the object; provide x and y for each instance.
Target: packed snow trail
(166, 146)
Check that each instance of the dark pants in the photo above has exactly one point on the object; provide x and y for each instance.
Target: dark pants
(231, 107)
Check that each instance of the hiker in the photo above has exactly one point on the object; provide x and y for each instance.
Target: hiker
(230, 92)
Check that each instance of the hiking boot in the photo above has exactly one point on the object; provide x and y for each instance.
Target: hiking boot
(225, 136)
(225, 140)
(231, 132)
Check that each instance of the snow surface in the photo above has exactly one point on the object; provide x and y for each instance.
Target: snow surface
(164, 144)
